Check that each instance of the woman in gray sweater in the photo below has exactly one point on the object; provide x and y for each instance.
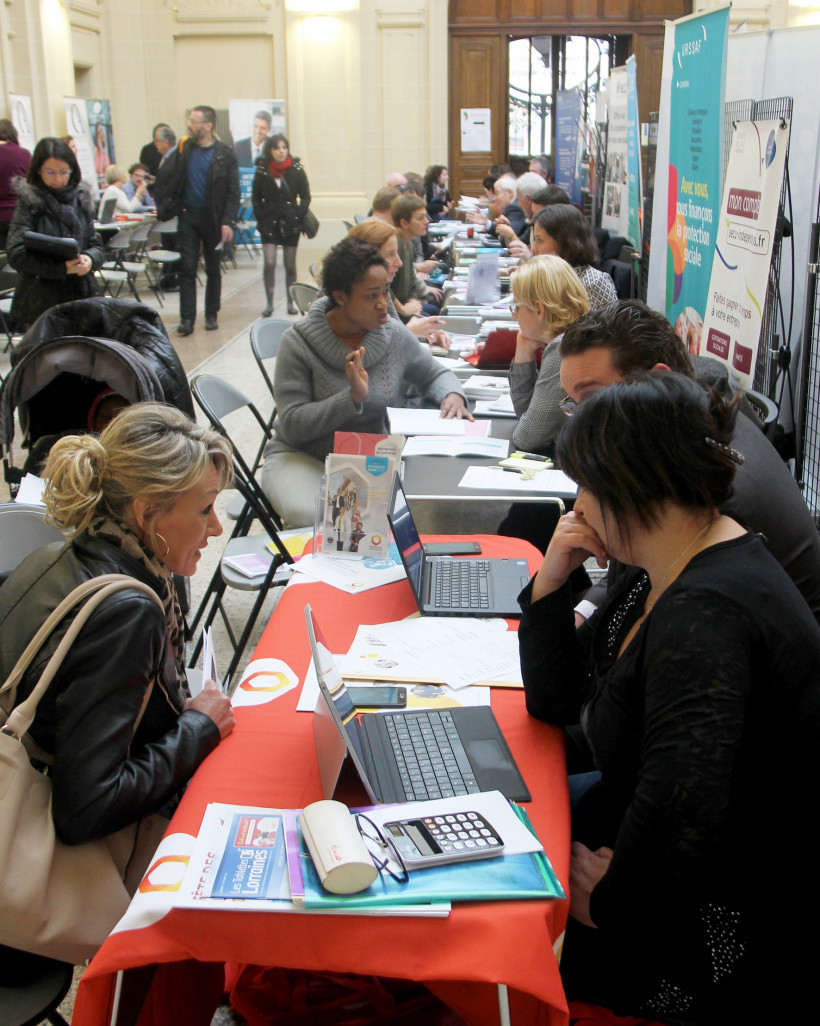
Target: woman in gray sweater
(338, 369)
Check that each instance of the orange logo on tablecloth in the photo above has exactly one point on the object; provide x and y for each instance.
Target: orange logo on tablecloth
(259, 682)
(147, 887)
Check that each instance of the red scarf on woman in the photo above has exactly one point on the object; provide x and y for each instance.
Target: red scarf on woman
(277, 169)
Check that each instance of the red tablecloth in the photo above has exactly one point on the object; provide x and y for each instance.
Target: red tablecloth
(269, 760)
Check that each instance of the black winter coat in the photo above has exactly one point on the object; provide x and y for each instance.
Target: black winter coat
(43, 280)
(223, 184)
(279, 209)
(103, 781)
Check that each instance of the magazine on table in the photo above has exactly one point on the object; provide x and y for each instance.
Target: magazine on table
(354, 517)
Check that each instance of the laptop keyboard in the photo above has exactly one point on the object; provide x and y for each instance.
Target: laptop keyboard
(461, 584)
(430, 756)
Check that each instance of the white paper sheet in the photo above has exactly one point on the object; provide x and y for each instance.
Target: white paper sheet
(419, 696)
(494, 479)
(433, 445)
(31, 490)
(422, 422)
(350, 575)
(457, 651)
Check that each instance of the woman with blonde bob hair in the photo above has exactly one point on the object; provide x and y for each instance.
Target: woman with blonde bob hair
(384, 237)
(548, 297)
(118, 726)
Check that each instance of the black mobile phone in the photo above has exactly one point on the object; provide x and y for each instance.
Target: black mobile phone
(452, 549)
(378, 698)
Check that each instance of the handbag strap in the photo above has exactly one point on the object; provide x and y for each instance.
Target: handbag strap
(92, 593)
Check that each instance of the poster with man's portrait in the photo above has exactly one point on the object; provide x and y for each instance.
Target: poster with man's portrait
(252, 122)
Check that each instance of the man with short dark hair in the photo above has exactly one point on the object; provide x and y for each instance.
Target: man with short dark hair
(608, 344)
(199, 184)
(410, 294)
(249, 150)
(138, 175)
(547, 196)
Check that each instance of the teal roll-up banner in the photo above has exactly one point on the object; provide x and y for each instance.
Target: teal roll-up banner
(695, 163)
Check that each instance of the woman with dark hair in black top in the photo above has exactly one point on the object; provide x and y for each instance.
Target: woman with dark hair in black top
(697, 688)
(435, 192)
(52, 201)
(281, 195)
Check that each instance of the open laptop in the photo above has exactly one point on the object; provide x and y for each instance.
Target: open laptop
(444, 586)
(107, 211)
(410, 755)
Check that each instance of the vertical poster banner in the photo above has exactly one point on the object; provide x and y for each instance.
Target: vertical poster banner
(745, 237)
(633, 158)
(76, 119)
(695, 164)
(23, 120)
(101, 131)
(252, 121)
(569, 143)
(615, 215)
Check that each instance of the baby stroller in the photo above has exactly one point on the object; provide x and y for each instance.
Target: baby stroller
(75, 359)
(71, 359)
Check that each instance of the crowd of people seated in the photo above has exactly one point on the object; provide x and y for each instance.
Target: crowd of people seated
(698, 656)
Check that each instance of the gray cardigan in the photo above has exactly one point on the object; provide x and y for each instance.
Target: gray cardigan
(313, 394)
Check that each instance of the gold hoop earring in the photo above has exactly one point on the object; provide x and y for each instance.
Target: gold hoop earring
(164, 542)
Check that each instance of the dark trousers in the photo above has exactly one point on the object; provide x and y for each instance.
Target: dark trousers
(195, 229)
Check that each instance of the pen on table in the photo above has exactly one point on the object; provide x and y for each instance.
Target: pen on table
(531, 456)
(510, 470)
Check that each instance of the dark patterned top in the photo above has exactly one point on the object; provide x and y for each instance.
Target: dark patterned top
(705, 731)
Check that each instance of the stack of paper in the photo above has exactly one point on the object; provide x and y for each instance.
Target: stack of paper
(452, 650)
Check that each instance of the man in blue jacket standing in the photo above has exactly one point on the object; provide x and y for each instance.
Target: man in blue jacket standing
(199, 184)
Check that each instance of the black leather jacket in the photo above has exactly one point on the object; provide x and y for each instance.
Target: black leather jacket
(223, 184)
(102, 780)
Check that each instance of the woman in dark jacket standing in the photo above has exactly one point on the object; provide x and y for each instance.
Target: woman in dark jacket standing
(281, 195)
(53, 201)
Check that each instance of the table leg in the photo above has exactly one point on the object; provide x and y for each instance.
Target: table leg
(503, 1005)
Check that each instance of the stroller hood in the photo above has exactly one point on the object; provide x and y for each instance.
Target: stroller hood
(103, 360)
(131, 324)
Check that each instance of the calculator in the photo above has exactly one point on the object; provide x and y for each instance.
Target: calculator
(435, 840)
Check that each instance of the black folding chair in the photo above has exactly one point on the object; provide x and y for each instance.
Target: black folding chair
(218, 400)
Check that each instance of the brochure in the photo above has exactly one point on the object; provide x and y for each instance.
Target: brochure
(355, 508)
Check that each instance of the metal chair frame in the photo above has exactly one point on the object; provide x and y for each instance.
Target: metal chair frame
(218, 399)
(303, 295)
(265, 338)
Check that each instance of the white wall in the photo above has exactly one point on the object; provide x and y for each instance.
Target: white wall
(366, 91)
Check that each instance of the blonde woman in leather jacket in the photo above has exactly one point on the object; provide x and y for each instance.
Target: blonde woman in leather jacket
(137, 500)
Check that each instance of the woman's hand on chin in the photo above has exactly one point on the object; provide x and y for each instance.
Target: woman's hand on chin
(527, 348)
(585, 871)
(215, 706)
(573, 542)
(453, 406)
(356, 375)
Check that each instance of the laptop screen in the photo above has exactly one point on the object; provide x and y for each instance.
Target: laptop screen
(406, 536)
(334, 702)
(107, 212)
